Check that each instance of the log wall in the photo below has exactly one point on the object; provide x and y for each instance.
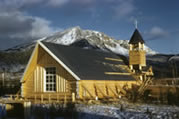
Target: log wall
(137, 57)
(35, 79)
(90, 89)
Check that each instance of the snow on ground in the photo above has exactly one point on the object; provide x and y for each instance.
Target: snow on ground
(120, 110)
(128, 111)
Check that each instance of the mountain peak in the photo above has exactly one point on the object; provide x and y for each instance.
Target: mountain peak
(91, 39)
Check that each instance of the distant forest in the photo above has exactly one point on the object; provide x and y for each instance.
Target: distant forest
(9, 58)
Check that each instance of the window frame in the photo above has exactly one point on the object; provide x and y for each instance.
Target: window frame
(45, 79)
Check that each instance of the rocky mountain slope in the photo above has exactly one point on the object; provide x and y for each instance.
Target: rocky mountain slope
(94, 38)
(15, 59)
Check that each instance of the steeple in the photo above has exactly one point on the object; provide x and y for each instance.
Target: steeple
(137, 58)
(136, 38)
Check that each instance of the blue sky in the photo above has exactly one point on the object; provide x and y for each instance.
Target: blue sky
(24, 20)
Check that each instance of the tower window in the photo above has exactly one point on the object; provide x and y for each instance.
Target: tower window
(50, 82)
(135, 46)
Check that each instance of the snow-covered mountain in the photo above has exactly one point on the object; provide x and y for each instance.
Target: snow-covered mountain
(13, 60)
(94, 39)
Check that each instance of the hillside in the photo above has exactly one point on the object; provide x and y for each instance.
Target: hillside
(94, 38)
(16, 58)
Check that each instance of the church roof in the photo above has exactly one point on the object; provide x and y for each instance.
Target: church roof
(136, 38)
(90, 64)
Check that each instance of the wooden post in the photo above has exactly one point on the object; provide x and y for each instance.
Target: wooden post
(65, 99)
(73, 97)
(27, 110)
(95, 89)
(96, 98)
(41, 98)
(58, 100)
(16, 97)
(140, 46)
(35, 98)
(49, 98)
(107, 90)
(11, 97)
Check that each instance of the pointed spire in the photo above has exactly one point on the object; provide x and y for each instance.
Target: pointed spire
(136, 38)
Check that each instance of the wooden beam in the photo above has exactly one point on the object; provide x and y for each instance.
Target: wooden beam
(41, 98)
(88, 91)
(65, 99)
(73, 97)
(116, 73)
(121, 89)
(49, 98)
(108, 87)
(113, 59)
(100, 91)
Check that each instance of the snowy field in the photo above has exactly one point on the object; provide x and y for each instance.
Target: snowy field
(128, 111)
(122, 110)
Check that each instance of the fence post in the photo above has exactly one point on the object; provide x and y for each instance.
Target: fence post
(41, 98)
(65, 99)
(27, 110)
(35, 98)
(49, 98)
(17, 97)
(58, 100)
(73, 97)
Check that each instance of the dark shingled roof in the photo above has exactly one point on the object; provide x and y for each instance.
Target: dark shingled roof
(89, 64)
(136, 38)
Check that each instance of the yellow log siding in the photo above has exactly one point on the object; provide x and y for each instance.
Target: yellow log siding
(28, 86)
(137, 57)
(91, 89)
(34, 79)
(29, 75)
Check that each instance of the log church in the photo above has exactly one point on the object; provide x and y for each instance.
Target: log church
(56, 72)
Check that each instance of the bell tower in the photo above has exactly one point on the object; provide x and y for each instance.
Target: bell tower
(137, 58)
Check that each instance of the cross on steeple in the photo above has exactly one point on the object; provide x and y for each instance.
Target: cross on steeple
(135, 23)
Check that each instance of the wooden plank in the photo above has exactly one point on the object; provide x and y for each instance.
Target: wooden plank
(113, 59)
(89, 84)
(88, 91)
(108, 87)
(116, 73)
(98, 88)
(121, 89)
(143, 86)
(73, 97)
(42, 98)
(137, 57)
(49, 98)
